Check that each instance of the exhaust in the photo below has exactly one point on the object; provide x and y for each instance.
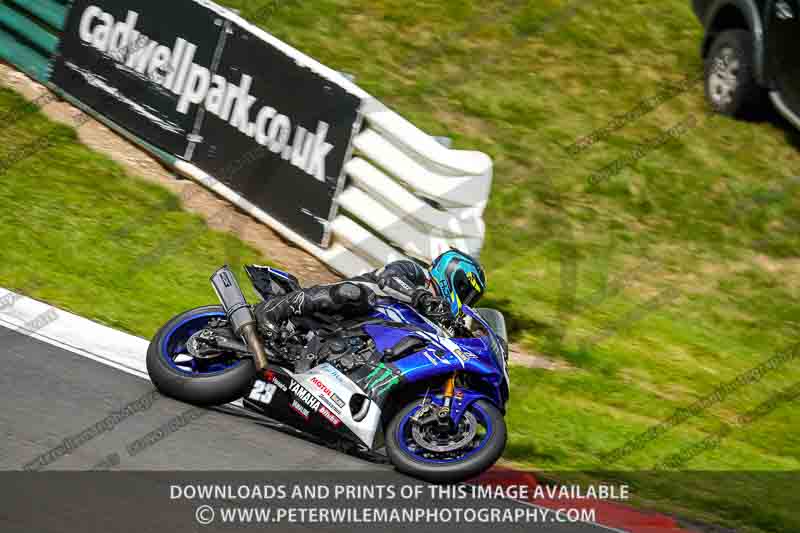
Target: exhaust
(239, 313)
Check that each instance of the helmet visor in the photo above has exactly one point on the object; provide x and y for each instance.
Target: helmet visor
(469, 291)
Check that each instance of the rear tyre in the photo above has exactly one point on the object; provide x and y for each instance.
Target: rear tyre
(730, 82)
(197, 381)
(474, 457)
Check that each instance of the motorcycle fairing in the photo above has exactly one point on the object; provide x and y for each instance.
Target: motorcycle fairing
(495, 352)
(403, 315)
(441, 356)
(317, 401)
(269, 281)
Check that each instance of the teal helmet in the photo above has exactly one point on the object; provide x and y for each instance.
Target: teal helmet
(459, 279)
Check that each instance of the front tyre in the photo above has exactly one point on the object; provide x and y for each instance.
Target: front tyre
(450, 457)
(207, 381)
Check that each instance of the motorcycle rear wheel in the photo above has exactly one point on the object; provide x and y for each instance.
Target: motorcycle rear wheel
(204, 382)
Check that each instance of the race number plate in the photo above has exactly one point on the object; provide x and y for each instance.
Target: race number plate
(262, 392)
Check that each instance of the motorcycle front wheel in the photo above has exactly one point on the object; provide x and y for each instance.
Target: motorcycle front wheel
(200, 381)
(447, 456)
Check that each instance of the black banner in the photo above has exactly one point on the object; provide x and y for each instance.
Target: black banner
(131, 63)
(195, 84)
(290, 129)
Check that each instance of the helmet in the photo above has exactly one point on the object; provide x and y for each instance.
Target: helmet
(459, 279)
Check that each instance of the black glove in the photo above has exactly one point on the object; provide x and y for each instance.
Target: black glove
(430, 305)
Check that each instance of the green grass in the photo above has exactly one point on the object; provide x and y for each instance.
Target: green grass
(578, 269)
(80, 233)
(711, 215)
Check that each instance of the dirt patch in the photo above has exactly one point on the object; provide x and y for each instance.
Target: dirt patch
(518, 356)
(218, 213)
(642, 380)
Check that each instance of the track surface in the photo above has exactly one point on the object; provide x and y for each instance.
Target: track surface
(49, 394)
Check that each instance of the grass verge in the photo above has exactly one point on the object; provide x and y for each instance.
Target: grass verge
(659, 281)
(80, 233)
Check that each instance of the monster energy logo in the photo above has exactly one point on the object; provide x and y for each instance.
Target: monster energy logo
(381, 379)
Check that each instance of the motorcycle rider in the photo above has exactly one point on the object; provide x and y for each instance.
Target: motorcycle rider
(454, 279)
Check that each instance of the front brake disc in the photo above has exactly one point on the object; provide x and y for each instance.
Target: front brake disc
(422, 435)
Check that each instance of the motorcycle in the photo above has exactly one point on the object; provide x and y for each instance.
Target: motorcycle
(434, 396)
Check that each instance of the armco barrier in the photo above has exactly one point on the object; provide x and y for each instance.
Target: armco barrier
(400, 193)
(29, 34)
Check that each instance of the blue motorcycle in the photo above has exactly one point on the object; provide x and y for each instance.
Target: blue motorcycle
(432, 395)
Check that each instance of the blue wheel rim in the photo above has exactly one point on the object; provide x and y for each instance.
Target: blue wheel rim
(173, 346)
(403, 436)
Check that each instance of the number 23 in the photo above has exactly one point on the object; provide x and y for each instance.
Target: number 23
(263, 392)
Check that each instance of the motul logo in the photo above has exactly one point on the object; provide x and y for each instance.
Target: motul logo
(174, 69)
(320, 385)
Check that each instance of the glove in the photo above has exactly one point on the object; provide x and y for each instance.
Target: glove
(420, 298)
(431, 306)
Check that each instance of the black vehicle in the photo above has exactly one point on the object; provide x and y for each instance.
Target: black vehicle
(751, 47)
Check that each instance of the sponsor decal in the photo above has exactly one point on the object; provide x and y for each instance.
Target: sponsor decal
(262, 392)
(427, 354)
(330, 417)
(329, 403)
(304, 396)
(338, 401)
(321, 386)
(272, 378)
(463, 355)
(381, 379)
(301, 410)
(330, 396)
(335, 374)
(174, 69)
(436, 356)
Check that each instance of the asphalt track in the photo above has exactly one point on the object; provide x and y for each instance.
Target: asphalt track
(49, 394)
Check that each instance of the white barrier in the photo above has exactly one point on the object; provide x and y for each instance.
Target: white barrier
(407, 195)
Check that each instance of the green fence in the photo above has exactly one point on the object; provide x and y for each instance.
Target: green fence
(30, 31)
(29, 34)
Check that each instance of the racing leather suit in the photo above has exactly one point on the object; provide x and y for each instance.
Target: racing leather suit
(404, 281)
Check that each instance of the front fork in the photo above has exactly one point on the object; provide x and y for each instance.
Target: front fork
(443, 413)
(438, 414)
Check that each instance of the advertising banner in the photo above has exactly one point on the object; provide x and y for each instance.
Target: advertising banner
(289, 128)
(132, 62)
(189, 78)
